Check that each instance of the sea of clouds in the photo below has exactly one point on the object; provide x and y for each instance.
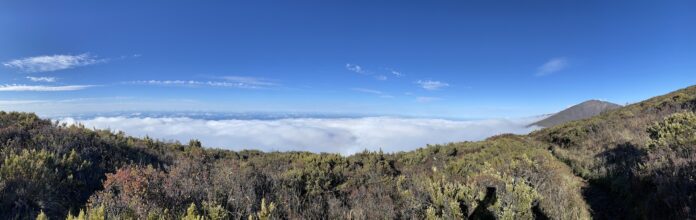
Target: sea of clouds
(335, 135)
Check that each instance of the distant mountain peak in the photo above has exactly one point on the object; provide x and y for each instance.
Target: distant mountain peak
(583, 110)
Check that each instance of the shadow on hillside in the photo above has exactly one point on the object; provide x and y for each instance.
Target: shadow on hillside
(481, 212)
(609, 196)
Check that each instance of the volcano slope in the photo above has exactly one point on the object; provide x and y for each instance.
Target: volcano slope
(632, 162)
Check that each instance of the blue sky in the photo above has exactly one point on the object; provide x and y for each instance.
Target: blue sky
(461, 59)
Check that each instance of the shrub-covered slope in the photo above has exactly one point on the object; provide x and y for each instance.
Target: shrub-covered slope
(56, 170)
(639, 159)
(632, 162)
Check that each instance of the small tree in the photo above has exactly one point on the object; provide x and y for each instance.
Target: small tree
(97, 213)
(41, 216)
(215, 212)
(266, 211)
(191, 213)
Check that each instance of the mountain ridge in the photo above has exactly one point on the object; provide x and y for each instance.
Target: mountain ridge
(579, 111)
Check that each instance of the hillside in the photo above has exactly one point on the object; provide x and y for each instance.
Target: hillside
(632, 162)
(56, 170)
(639, 159)
(583, 110)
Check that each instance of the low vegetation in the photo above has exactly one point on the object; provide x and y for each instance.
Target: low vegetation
(632, 162)
(638, 160)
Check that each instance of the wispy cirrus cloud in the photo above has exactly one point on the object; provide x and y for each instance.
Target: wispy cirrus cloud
(19, 102)
(371, 91)
(431, 85)
(191, 83)
(355, 68)
(376, 75)
(395, 73)
(196, 83)
(242, 82)
(425, 99)
(552, 66)
(41, 78)
(250, 81)
(374, 92)
(41, 88)
(48, 63)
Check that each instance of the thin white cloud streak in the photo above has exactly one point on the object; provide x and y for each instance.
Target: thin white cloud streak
(4, 104)
(41, 88)
(91, 105)
(360, 70)
(194, 83)
(431, 85)
(372, 91)
(552, 66)
(396, 73)
(424, 99)
(381, 77)
(130, 56)
(345, 136)
(250, 81)
(50, 63)
(41, 79)
(19, 102)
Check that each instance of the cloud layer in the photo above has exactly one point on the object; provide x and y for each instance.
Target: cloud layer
(51, 63)
(340, 135)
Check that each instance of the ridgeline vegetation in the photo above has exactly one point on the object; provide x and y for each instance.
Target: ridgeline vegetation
(634, 162)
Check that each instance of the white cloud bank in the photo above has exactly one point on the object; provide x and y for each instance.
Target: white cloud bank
(341, 135)
(52, 62)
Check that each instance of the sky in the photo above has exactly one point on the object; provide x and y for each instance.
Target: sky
(449, 59)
